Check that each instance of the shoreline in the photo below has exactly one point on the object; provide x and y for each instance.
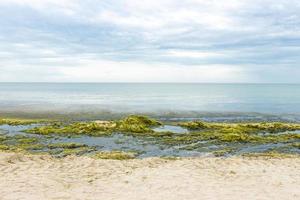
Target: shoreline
(44, 177)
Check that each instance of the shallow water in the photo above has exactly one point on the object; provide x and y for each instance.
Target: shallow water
(147, 147)
(170, 128)
(16, 130)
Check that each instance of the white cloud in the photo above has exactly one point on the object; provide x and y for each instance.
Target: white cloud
(152, 15)
(194, 54)
(40, 4)
(89, 70)
(64, 7)
(108, 71)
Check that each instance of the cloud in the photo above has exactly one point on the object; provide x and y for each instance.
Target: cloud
(88, 70)
(251, 39)
(108, 71)
(194, 54)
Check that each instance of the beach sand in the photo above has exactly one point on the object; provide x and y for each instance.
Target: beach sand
(43, 177)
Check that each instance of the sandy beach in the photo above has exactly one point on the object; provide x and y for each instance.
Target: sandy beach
(43, 177)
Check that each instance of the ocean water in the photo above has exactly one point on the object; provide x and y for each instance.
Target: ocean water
(228, 101)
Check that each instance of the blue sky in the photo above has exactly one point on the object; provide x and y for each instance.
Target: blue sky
(150, 40)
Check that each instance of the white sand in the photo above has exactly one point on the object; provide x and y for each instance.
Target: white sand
(42, 177)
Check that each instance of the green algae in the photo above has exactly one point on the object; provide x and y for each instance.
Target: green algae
(132, 125)
(223, 152)
(115, 155)
(136, 124)
(201, 136)
(213, 133)
(138, 119)
(3, 138)
(270, 127)
(229, 137)
(30, 147)
(27, 145)
(20, 143)
(4, 147)
(76, 151)
(17, 122)
(270, 154)
(195, 125)
(70, 145)
(78, 128)
(69, 148)
(27, 140)
(296, 145)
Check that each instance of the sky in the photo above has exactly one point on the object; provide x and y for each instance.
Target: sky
(232, 41)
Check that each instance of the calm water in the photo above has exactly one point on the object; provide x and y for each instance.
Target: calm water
(278, 99)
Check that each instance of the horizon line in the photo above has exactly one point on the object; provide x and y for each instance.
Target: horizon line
(125, 82)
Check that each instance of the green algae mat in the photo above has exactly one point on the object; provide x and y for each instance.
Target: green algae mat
(139, 136)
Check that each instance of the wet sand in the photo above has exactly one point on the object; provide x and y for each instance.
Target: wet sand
(43, 177)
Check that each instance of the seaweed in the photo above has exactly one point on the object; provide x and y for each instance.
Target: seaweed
(29, 147)
(136, 124)
(296, 145)
(195, 125)
(270, 127)
(70, 145)
(20, 143)
(78, 128)
(76, 151)
(131, 125)
(4, 147)
(229, 136)
(17, 122)
(115, 155)
(27, 140)
(270, 154)
(202, 135)
(223, 152)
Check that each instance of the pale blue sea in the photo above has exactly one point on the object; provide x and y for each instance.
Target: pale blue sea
(188, 100)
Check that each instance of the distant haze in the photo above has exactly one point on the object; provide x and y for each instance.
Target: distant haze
(100, 100)
(252, 41)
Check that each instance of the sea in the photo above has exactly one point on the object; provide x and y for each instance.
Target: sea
(173, 101)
